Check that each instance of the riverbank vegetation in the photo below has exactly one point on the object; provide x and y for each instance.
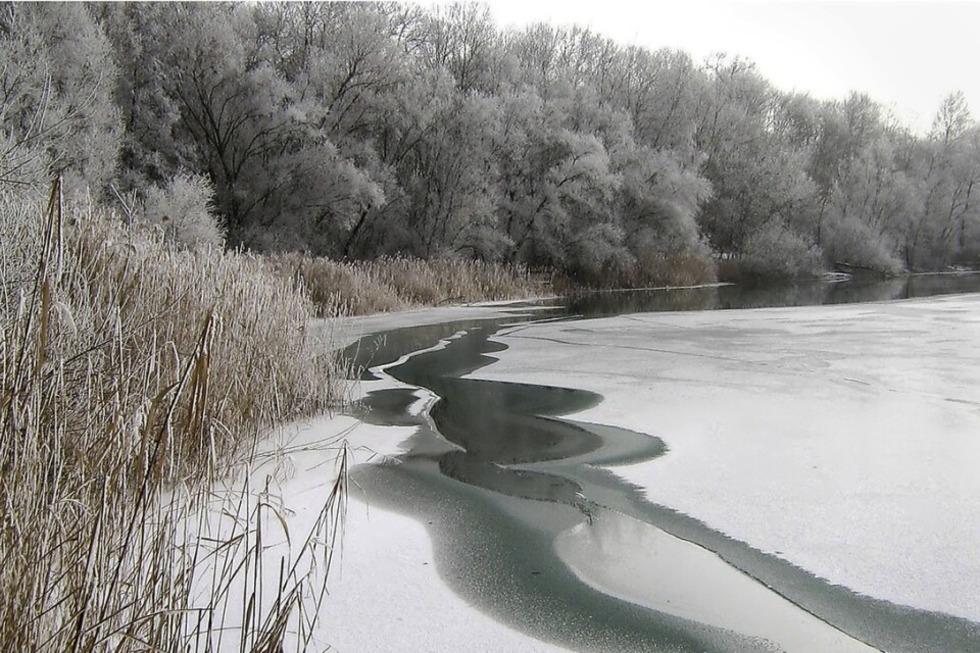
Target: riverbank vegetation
(133, 374)
(396, 283)
(226, 172)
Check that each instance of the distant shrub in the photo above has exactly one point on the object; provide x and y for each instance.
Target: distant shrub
(689, 268)
(599, 257)
(852, 243)
(648, 269)
(728, 269)
(778, 252)
(184, 210)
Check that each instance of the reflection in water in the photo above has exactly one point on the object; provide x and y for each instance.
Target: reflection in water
(381, 349)
(497, 553)
(543, 479)
(770, 295)
(476, 471)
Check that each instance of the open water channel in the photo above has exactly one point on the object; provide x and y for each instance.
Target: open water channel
(497, 475)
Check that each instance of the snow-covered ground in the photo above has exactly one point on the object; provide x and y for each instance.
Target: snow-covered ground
(844, 439)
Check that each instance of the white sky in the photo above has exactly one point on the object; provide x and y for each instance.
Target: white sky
(906, 55)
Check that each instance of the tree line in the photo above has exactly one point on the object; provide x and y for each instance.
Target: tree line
(360, 130)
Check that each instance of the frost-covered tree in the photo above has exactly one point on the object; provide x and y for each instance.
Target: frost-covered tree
(57, 114)
(461, 39)
(183, 209)
(362, 129)
(868, 206)
(141, 36)
(554, 178)
(946, 230)
(759, 180)
(448, 178)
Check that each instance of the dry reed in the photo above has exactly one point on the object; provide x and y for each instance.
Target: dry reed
(132, 375)
(649, 270)
(394, 283)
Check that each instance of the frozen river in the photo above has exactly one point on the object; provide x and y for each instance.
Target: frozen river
(796, 479)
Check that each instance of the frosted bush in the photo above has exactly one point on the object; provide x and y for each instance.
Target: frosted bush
(852, 243)
(183, 209)
(778, 252)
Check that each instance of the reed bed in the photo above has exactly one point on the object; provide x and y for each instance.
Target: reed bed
(133, 375)
(649, 270)
(395, 283)
(673, 270)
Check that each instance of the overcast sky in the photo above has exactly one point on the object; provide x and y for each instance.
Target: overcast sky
(906, 55)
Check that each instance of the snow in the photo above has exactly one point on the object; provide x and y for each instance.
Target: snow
(843, 439)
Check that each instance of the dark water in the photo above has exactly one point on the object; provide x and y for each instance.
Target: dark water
(383, 348)
(762, 296)
(501, 474)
